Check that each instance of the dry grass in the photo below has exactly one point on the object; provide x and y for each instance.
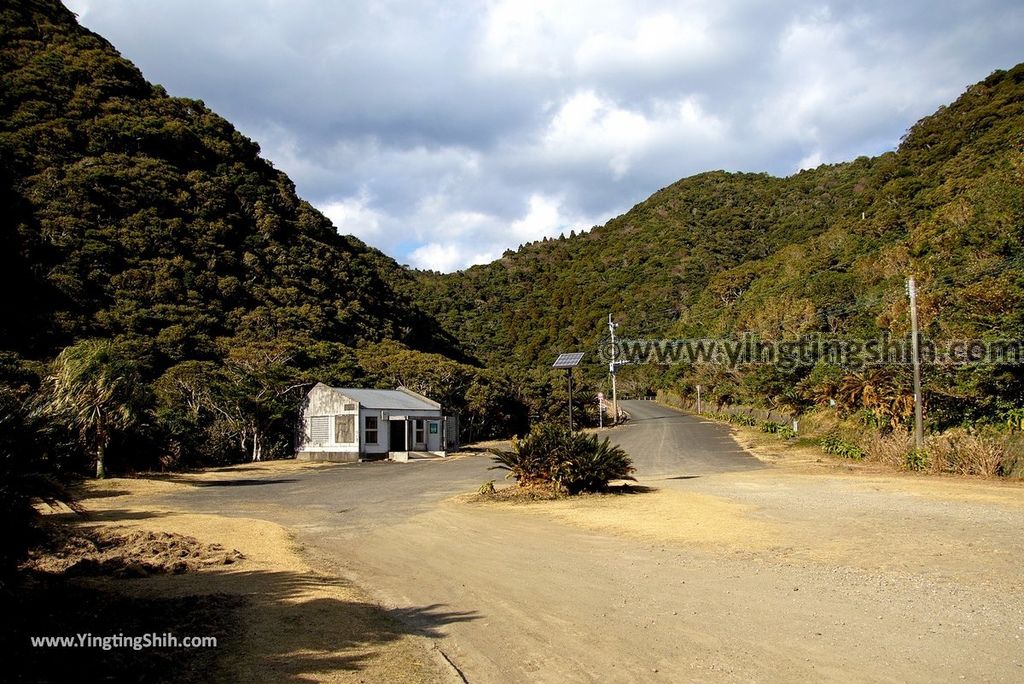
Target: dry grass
(517, 493)
(890, 450)
(964, 452)
(958, 451)
(119, 552)
(973, 452)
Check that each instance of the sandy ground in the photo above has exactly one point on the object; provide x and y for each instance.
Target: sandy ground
(296, 621)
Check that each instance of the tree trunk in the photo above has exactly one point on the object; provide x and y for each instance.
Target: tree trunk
(257, 445)
(101, 456)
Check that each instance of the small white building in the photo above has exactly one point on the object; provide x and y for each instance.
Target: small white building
(342, 424)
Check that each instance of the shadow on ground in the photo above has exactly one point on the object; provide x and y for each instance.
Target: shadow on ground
(244, 482)
(270, 626)
(630, 488)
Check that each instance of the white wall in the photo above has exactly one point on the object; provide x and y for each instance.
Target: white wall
(322, 401)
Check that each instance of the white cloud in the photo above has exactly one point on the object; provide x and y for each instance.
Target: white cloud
(462, 239)
(587, 128)
(812, 160)
(444, 134)
(447, 257)
(654, 41)
(544, 219)
(354, 216)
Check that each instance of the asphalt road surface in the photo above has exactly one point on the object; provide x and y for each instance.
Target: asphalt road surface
(663, 444)
(666, 443)
(824, 577)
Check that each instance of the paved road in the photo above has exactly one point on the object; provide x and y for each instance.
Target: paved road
(666, 443)
(663, 444)
(818, 577)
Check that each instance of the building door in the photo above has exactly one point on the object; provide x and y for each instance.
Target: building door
(396, 436)
(419, 433)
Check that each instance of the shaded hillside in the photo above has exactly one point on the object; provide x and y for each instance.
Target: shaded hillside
(128, 212)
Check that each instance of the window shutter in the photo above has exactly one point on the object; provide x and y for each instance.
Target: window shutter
(320, 429)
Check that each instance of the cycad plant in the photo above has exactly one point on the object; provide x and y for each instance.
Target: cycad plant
(571, 462)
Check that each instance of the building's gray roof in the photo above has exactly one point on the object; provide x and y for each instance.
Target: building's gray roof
(388, 399)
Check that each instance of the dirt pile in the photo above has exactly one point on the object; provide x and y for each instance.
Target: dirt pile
(120, 552)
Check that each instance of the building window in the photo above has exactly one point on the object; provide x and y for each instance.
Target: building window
(345, 429)
(370, 430)
(319, 429)
(420, 436)
(348, 407)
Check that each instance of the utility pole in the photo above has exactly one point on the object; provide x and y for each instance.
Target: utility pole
(612, 367)
(918, 411)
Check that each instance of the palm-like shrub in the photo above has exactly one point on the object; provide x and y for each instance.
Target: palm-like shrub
(571, 462)
(529, 461)
(96, 390)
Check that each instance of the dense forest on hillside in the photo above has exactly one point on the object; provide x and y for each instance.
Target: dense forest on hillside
(825, 251)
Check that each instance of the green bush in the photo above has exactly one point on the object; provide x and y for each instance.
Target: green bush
(832, 444)
(783, 430)
(530, 460)
(917, 459)
(572, 462)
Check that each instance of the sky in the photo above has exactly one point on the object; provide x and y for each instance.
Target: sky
(444, 133)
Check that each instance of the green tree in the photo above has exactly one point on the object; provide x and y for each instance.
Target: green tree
(95, 391)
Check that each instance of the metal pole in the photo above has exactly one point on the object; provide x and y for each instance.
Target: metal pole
(918, 411)
(569, 371)
(612, 368)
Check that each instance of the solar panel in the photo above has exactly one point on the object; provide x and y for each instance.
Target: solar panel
(568, 360)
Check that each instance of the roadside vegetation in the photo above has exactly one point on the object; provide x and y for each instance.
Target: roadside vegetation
(981, 450)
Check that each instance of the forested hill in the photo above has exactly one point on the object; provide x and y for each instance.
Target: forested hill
(130, 213)
(824, 250)
(169, 298)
